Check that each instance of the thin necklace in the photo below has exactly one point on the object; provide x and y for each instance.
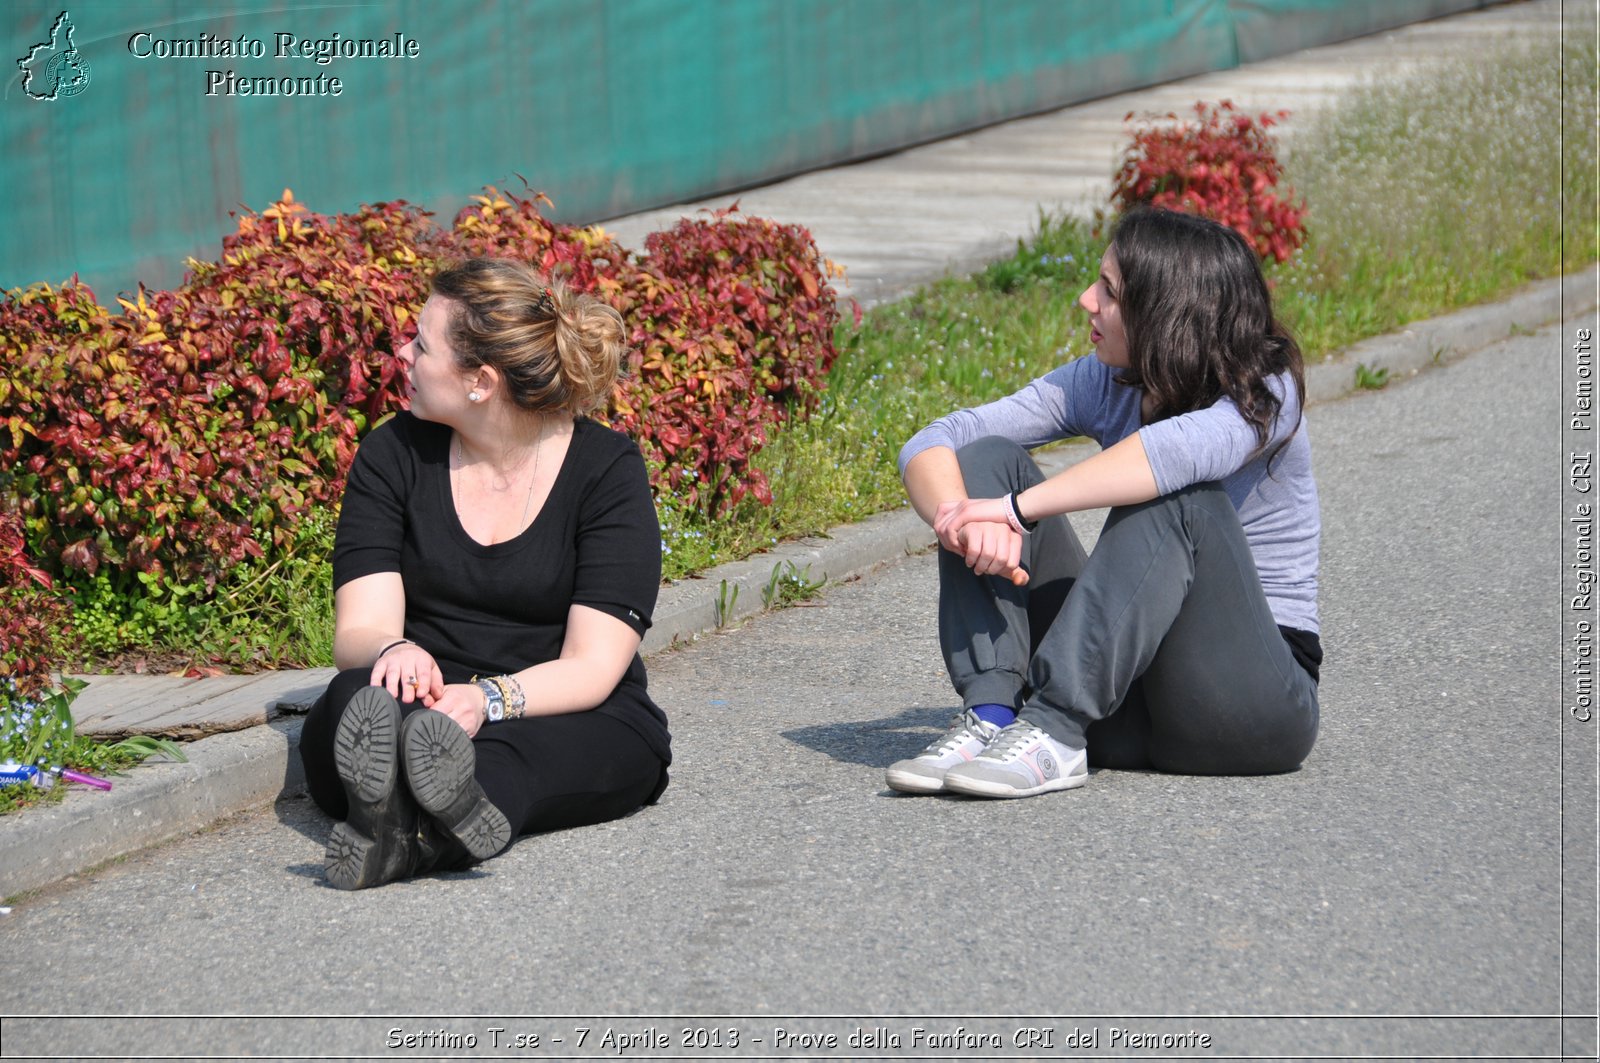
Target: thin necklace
(538, 448)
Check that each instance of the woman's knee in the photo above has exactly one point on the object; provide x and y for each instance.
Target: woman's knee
(996, 465)
(1207, 497)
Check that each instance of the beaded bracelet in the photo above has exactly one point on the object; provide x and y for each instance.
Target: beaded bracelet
(516, 701)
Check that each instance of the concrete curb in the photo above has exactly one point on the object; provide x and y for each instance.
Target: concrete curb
(158, 802)
(1439, 340)
(231, 773)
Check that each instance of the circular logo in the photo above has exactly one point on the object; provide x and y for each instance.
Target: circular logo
(1047, 765)
(67, 73)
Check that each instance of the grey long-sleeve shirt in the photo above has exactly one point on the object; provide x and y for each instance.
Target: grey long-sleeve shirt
(1277, 507)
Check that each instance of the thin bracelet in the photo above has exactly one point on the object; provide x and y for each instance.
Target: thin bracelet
(1014, 516)
(392, 645)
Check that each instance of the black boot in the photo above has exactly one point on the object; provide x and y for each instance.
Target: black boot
(378, 841)
(439, 764)
(438, 850)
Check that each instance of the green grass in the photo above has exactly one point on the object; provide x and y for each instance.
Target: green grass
(1426, 194)
(1443, 189)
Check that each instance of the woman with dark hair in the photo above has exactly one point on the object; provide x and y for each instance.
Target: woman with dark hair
(1188, 640)
(495, 568)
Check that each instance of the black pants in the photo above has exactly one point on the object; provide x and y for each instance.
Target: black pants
(543, 772)
(1157, 650)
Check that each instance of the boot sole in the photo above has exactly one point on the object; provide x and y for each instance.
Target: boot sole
(439, 761)
(366, 746)
(366, 756)
(352, 861)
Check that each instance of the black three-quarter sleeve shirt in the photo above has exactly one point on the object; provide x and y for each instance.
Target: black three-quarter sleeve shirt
(488, 610)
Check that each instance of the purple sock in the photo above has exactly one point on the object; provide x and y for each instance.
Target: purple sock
(999, 715)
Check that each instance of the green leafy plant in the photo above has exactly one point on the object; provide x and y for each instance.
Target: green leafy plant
(789, 584)
(294, 591)
(727, 598)
(1371, 379)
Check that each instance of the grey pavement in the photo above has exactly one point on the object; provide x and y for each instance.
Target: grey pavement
(1411, 870)
(1397, 893)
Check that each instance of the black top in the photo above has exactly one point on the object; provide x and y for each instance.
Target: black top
(1307, 649)
(488, 610)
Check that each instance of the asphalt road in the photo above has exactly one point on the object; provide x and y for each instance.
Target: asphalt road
(1401, 894)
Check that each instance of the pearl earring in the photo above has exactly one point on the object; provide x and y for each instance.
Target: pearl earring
(473, 396)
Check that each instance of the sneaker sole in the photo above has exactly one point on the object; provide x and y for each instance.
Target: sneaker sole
(985, 788)
(910, 782)
(439, 763)
(366, 756)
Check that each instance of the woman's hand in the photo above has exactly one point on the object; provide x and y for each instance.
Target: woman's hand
(465, 704)
(977, 529)
(409, 672)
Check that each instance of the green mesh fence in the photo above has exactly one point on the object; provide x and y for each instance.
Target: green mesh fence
(134, 127)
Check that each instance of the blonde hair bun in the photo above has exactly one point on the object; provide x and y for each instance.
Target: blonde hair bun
(557, 349)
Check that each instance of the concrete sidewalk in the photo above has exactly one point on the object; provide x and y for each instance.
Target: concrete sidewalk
(919, 204)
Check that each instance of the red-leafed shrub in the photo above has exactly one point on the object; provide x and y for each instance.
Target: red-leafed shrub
(772, 283)
(691, 397)
(194, 430)
(1223, 166)
(503, 225)
(34, 625)
(292, 335)
(732, 322)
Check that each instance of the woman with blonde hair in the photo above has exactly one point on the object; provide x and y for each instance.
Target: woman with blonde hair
(495, 568)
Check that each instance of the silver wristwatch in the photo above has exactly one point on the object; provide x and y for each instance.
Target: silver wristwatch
(496, 704)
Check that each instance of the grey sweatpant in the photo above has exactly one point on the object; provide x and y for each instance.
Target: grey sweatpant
(1158, 650)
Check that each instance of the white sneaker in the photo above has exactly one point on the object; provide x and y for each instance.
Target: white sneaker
(1020, 762)
(925, 772)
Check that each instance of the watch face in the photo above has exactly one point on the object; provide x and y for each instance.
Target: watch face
(494, 705)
